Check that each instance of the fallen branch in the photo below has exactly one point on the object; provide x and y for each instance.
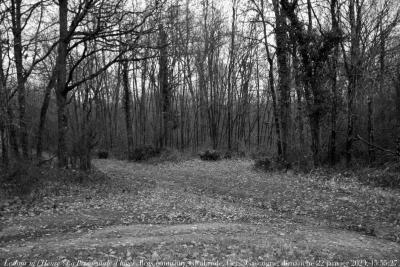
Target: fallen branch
(378, 147)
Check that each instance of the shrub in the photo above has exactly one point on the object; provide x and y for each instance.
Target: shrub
(168, 155)
(381, 178)
(20, 179)
(210, 155)
(264, 164)
(267, 164)
(102, 154)
(258, 154)
(227, 155)
(144, 153)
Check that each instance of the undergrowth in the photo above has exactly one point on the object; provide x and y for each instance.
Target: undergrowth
(30, 183)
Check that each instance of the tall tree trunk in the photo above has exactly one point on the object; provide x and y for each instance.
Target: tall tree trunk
(164, 86)
(4, 147)
(61, 91)
(143, 100)
(43, 112)
(315, 138)
(333, 115)
(116, 101)
(284, 74)
(271, 81)
(371, 150)
(17, 31)
(396, 84)
(354, 72)
(299, 117)
(127, 108)
(12, 131)
(3, 112)
(85, 133)
(231, 78)
(258, 100)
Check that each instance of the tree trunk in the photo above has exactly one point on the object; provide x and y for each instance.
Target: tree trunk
(86, 134)
(62, 129)
(3, 112)
(315, 138)
(17, 31)
(143, 100)
(127, 108)
(258, 100)
(4, 147)
(396, 84)
(297, 77)
(61, 91)
(284, 74)
(164, 87)
(333, 115)
(43, 112)
(354, 72)
(231, 78)
(371, 150)
(271, 84)
(13, 132)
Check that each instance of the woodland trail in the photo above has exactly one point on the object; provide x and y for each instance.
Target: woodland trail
(212, 211)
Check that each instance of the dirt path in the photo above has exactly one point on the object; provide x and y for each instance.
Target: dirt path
(241, 241)
(193, 210)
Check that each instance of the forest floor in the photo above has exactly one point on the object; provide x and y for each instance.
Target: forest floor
(221, 211)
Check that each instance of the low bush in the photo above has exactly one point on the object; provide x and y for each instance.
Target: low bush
(169, 155)
(258, 154)
(274, 164)
(263, 164)
(144, 153)
(20, 178)
(26, 179)
(211, 155)
(380, 178)
(227, 155)
(102, 154)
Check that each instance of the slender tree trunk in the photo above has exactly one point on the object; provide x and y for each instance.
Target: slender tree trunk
(299, 117)
(17, 31)
(275, 107)
(116, 101)
(12, 132)
(127, 108)
(85, 134)
(62, 129)
(354, 73)
(43, 112)
(396, 84)
(231, 78)
(315, 138)
(371, 150)
(271, 81)
(61, 91)
(284, 74)
(333, 115)
(258, 100)
(4, 147)
(143, 100)
(164, 87)
(3, 112)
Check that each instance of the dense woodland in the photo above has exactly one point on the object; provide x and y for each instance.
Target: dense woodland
(305, 81)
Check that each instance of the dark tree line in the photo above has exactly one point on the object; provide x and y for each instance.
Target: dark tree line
(304, 80)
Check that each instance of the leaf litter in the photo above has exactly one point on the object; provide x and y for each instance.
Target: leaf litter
(222, 210)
